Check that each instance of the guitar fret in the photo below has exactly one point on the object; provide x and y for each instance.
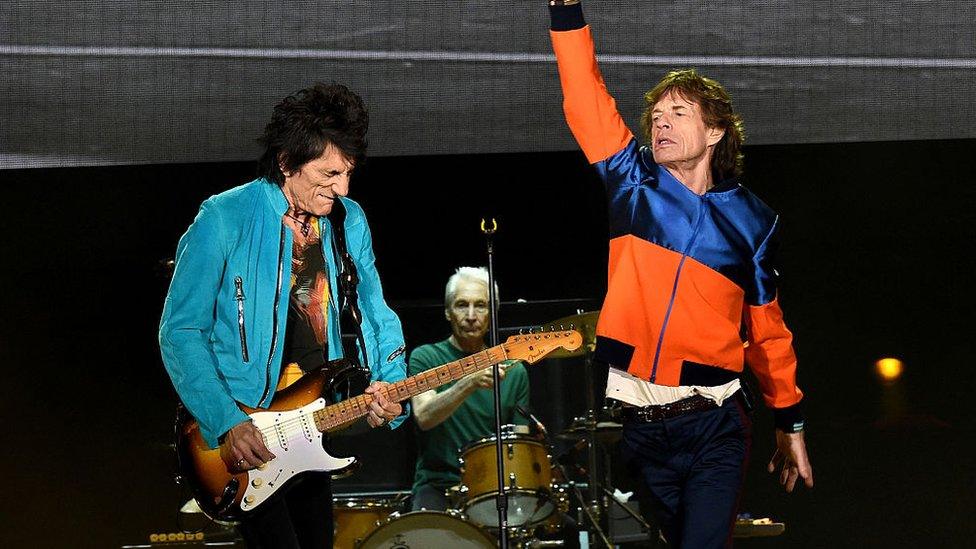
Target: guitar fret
(354, 408)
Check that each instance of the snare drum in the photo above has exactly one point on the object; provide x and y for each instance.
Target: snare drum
(356, 517)
(427, 529)
(527, 475)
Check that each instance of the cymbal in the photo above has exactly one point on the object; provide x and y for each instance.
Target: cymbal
(606, 431)
(585, 323)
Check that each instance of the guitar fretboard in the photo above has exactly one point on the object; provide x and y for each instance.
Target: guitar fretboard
(347, 411)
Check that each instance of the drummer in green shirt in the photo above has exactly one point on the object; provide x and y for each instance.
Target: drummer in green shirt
(462, 412)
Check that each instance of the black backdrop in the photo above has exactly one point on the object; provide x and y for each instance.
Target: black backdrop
(877, 262)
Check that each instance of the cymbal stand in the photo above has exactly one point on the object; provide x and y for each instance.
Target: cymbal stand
(634, 515)
(585, 508)
(592, 506)
(591, 457)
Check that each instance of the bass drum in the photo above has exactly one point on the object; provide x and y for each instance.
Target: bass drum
(427, 530)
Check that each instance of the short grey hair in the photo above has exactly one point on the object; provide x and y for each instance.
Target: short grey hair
(476, 274)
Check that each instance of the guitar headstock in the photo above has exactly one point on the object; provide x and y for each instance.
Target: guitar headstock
(534, 346)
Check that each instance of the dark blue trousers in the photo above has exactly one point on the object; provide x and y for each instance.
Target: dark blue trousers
(692, 469)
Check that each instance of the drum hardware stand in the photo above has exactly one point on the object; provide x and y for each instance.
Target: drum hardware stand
(596, 503)
(502, 498)
(634, 515)
(592, 518)
(591, 421)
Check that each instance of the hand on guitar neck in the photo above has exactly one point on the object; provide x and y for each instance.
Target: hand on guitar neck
(381, 410)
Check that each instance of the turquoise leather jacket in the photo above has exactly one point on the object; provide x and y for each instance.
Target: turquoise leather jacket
(223, 324)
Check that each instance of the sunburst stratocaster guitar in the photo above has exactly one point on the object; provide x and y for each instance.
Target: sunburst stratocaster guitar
(294, 425)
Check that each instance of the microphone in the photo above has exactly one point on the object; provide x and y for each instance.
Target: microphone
(538, 424)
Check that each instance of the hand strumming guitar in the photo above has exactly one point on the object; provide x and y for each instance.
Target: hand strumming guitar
(243, 447)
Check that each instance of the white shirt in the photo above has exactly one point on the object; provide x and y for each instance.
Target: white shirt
(637, 392)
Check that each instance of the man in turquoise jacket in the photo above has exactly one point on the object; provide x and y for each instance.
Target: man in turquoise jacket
(254, 289)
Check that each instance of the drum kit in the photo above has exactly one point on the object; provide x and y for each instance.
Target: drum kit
(549, 504)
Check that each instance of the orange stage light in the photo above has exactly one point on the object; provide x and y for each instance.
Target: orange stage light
(889, 369)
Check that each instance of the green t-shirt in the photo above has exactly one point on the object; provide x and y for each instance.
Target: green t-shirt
(473, 420)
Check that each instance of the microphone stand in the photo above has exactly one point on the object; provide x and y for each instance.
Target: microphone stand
(501, 500)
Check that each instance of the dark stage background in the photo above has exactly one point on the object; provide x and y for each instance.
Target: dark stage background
(877, 262)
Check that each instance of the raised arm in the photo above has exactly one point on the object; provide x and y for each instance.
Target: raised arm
(590, 110)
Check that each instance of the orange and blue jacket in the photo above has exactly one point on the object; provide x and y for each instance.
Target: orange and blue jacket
(691, 291)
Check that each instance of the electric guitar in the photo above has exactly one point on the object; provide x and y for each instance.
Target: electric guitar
(295, 424)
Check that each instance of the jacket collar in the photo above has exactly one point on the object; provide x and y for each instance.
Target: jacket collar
(275, 196)
(647, 159)
(725, 185)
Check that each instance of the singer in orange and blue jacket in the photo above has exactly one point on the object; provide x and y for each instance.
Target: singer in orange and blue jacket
(692, 292)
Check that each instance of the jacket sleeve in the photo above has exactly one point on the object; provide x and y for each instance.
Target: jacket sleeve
(590, 110)
(381, 326)
(769, 352)
(187, 323)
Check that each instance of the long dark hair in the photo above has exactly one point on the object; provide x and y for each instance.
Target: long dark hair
(309, 120)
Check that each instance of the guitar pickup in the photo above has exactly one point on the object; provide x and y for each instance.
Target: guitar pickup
(280, 433)
(308, 427)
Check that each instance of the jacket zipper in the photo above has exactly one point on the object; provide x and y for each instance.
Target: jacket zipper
(239, 296)
(274, 321)
(674, 288)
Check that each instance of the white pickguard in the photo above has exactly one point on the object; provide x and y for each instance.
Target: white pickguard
(297, 445)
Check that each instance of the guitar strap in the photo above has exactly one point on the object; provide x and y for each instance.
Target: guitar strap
(347, 278)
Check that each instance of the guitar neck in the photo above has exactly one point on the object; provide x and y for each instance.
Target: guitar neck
(339, 414)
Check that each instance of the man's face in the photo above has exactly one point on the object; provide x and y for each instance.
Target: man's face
(313, 188)
(679, 135)
(468, 311)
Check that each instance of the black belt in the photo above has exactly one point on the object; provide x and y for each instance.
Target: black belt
(647, 414)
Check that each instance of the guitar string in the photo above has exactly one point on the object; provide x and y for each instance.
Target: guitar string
(288, 425)
(479, 360)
